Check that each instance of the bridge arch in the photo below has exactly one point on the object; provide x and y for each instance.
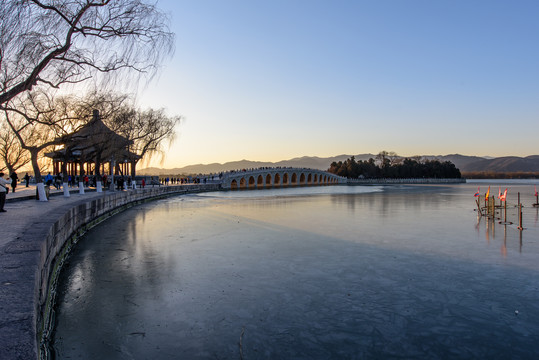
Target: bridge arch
(294, 179)
(285, 179)
(233, 184)
(252, 183)
(277, 180)
(302, 179)
(268, 180)
(243, 183)
(260, 182)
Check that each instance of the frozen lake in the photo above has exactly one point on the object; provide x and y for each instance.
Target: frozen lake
(340, 272)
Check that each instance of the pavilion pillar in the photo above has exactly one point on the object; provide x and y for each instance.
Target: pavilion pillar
(133, 168)
(111, 170)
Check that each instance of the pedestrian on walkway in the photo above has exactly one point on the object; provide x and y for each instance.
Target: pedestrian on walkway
(27, 179)
(58, 181)
(48, 179)
(14, 179)
(3, 191)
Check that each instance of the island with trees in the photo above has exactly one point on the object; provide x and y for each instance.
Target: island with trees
(390, 165)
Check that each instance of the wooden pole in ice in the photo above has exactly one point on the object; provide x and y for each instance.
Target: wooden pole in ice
(519, 214)
(505, 211)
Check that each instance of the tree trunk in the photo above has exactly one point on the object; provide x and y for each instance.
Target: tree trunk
(112, 165)
(133, 172)
(42, 196)
(133, 166)
(10, 169)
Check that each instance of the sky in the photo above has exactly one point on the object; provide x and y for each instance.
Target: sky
(274, 80)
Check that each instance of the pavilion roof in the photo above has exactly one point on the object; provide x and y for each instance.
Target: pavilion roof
(92, 139)
(94, 132)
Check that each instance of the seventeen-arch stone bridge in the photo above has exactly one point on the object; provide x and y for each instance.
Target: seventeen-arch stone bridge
(263, 178)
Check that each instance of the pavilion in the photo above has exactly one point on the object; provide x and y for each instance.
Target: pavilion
(94, 149)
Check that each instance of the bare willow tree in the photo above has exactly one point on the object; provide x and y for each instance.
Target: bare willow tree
(52, 43)
(55, 42)
(39, 121)
(12, 155)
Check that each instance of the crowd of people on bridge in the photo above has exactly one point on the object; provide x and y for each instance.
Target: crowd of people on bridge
(264, 168)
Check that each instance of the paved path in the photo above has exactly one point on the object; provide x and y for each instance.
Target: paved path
(22, 230)
(23, 209)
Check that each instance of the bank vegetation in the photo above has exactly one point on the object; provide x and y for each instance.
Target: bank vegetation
(390, 165)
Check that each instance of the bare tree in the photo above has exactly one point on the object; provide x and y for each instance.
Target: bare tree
(394, 158)
(46, 44)
(39, 122)
(55, 42)
(388, 158)
(12, 155)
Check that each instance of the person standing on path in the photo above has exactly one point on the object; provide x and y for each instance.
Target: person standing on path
(14, 179)
(3, 190)
(27, 179)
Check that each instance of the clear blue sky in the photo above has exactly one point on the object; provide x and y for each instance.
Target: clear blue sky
(273, 80)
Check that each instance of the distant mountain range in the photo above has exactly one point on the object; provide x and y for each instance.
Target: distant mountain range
(506, 164)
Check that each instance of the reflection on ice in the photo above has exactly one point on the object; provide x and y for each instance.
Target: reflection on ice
(295, 191)
(332, 272)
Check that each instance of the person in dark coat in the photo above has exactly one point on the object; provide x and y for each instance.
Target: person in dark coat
(27, 179)
(14, 179)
